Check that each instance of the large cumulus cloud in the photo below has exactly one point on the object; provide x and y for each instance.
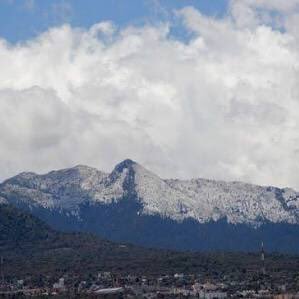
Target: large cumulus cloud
(223, 105)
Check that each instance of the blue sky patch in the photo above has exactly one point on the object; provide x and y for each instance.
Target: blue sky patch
(23, 19)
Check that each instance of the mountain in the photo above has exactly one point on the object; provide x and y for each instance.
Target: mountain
(29, 247)
(17, 227)
(134, 205)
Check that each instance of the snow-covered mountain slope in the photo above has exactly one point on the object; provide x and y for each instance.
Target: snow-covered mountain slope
(199, 199)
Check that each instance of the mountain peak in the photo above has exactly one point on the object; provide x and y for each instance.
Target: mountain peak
(128, 163)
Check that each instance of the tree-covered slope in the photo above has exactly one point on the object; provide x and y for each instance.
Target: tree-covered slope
(30, 247)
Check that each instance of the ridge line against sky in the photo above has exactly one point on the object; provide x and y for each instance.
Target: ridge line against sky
(187, 91)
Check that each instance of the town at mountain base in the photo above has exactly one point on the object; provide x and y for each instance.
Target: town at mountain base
(131, 204)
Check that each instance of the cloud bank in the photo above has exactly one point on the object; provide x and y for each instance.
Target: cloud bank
(223, 105)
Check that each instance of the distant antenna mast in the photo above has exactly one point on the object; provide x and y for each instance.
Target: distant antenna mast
(263, 259)
(2, 269)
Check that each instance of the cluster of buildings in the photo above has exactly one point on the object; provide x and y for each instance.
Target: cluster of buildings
(179, 285)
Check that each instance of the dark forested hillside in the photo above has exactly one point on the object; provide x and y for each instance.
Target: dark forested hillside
(18, 228)
(28, 246)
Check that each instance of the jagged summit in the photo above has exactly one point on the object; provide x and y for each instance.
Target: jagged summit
(125, 164)
(123, 169)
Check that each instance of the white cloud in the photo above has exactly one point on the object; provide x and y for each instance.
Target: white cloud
(278, 5)
(224, 105)
(252, 12)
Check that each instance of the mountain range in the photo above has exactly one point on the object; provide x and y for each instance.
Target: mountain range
(132, 204)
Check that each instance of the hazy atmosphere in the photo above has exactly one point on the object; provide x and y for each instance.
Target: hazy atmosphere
(187, 89)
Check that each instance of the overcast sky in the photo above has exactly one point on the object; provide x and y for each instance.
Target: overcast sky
(186, 88)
